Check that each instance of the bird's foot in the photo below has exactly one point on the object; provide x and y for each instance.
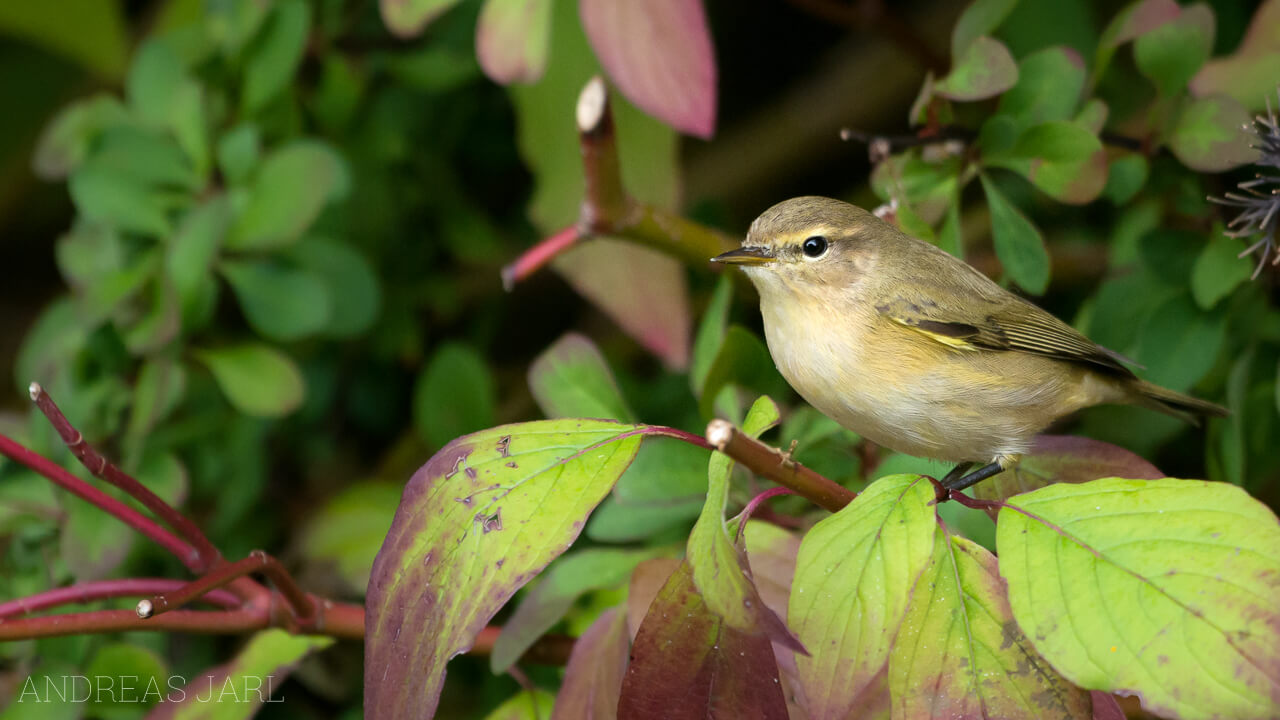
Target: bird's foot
(957, 480)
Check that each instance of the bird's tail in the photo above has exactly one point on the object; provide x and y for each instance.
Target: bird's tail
(1176, 404)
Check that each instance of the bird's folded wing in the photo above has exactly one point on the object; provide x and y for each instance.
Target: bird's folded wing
(1014, 325)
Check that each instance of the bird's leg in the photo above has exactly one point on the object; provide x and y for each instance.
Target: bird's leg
(973, 478)
(956, 473)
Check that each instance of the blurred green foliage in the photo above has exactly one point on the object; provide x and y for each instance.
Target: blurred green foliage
(282, 282)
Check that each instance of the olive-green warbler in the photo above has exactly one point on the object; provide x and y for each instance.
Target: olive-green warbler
(917, 351)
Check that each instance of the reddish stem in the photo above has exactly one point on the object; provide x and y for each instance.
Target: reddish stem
(538, 257)
(755, 502)
(59, 476)
(304, 610)
(105, 621)
(974, 503)
(207, 554)
(105, 589)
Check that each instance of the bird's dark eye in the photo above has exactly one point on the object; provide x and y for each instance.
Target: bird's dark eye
(815, 246)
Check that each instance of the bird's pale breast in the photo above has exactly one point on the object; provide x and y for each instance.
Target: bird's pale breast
(905, 392)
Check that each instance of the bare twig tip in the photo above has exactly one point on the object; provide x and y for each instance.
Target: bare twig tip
(35, 390)
(592, 103)
(145, 609)
(719, 433)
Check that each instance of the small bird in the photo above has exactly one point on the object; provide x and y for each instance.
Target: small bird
(916, 350)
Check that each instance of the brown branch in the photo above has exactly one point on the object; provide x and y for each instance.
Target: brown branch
(304, 610)
(881, 146)
(777, 466)
(206, 554)
(607, 208)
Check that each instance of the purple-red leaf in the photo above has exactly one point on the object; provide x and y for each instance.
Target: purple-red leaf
(593, 677)
(478, 521)
(646, 582)
(686, 664)
(659, 53)
(1105, 706)
(512, 39)
(643, 290)
(1065, 459)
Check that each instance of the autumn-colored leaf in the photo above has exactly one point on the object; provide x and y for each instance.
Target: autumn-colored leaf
(1065, 459)
(593, 677)
(659, 53)
(686, 664)
(1249, 75)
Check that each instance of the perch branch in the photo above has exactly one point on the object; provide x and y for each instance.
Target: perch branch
(777, 466)
(94, 462)
(607, 209)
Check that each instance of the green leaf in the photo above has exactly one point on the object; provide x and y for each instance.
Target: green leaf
(1169, 55)
(985, 70)
(258, 671)
(454, 395)
(1209, 135)
(348, 279)
(720, 570)
(164, 95)
(1179, 343)
(982, 17)
(147, 158)
(925, 186)
(65, 141)
(572, 379)
(159, 388)
(1057, 141)
(274, 57)
(533, 704)
(949, 235)
(853, 579)
(56, 336)
(92, 33)
(711, 334)
(189, 260)
(743, 360)
(92, 543)
(1050, 82)
(664, 488)
(1219, 269)
(408, 18)
(257, 379)
(1126, 177)
(960, 654)
(1248, 75)
(293, 185)
(567, 579)
(124, 679)
(280, 302)
(482, 517)
(347, 530)
(238, 151)
(1132, 586)
(1019, 245)
(101, 195)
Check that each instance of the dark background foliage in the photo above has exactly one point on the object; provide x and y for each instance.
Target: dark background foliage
(423, 195)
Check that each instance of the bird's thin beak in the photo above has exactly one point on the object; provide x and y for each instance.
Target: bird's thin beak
(745, 256)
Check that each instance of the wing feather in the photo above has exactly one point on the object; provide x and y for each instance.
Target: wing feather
(995, 323)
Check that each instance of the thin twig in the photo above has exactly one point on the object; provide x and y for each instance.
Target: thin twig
(776, 466)
(88, 592)
(59, 476)
(96, 463)
(304, 610)
(755, 503)
(607, 208)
